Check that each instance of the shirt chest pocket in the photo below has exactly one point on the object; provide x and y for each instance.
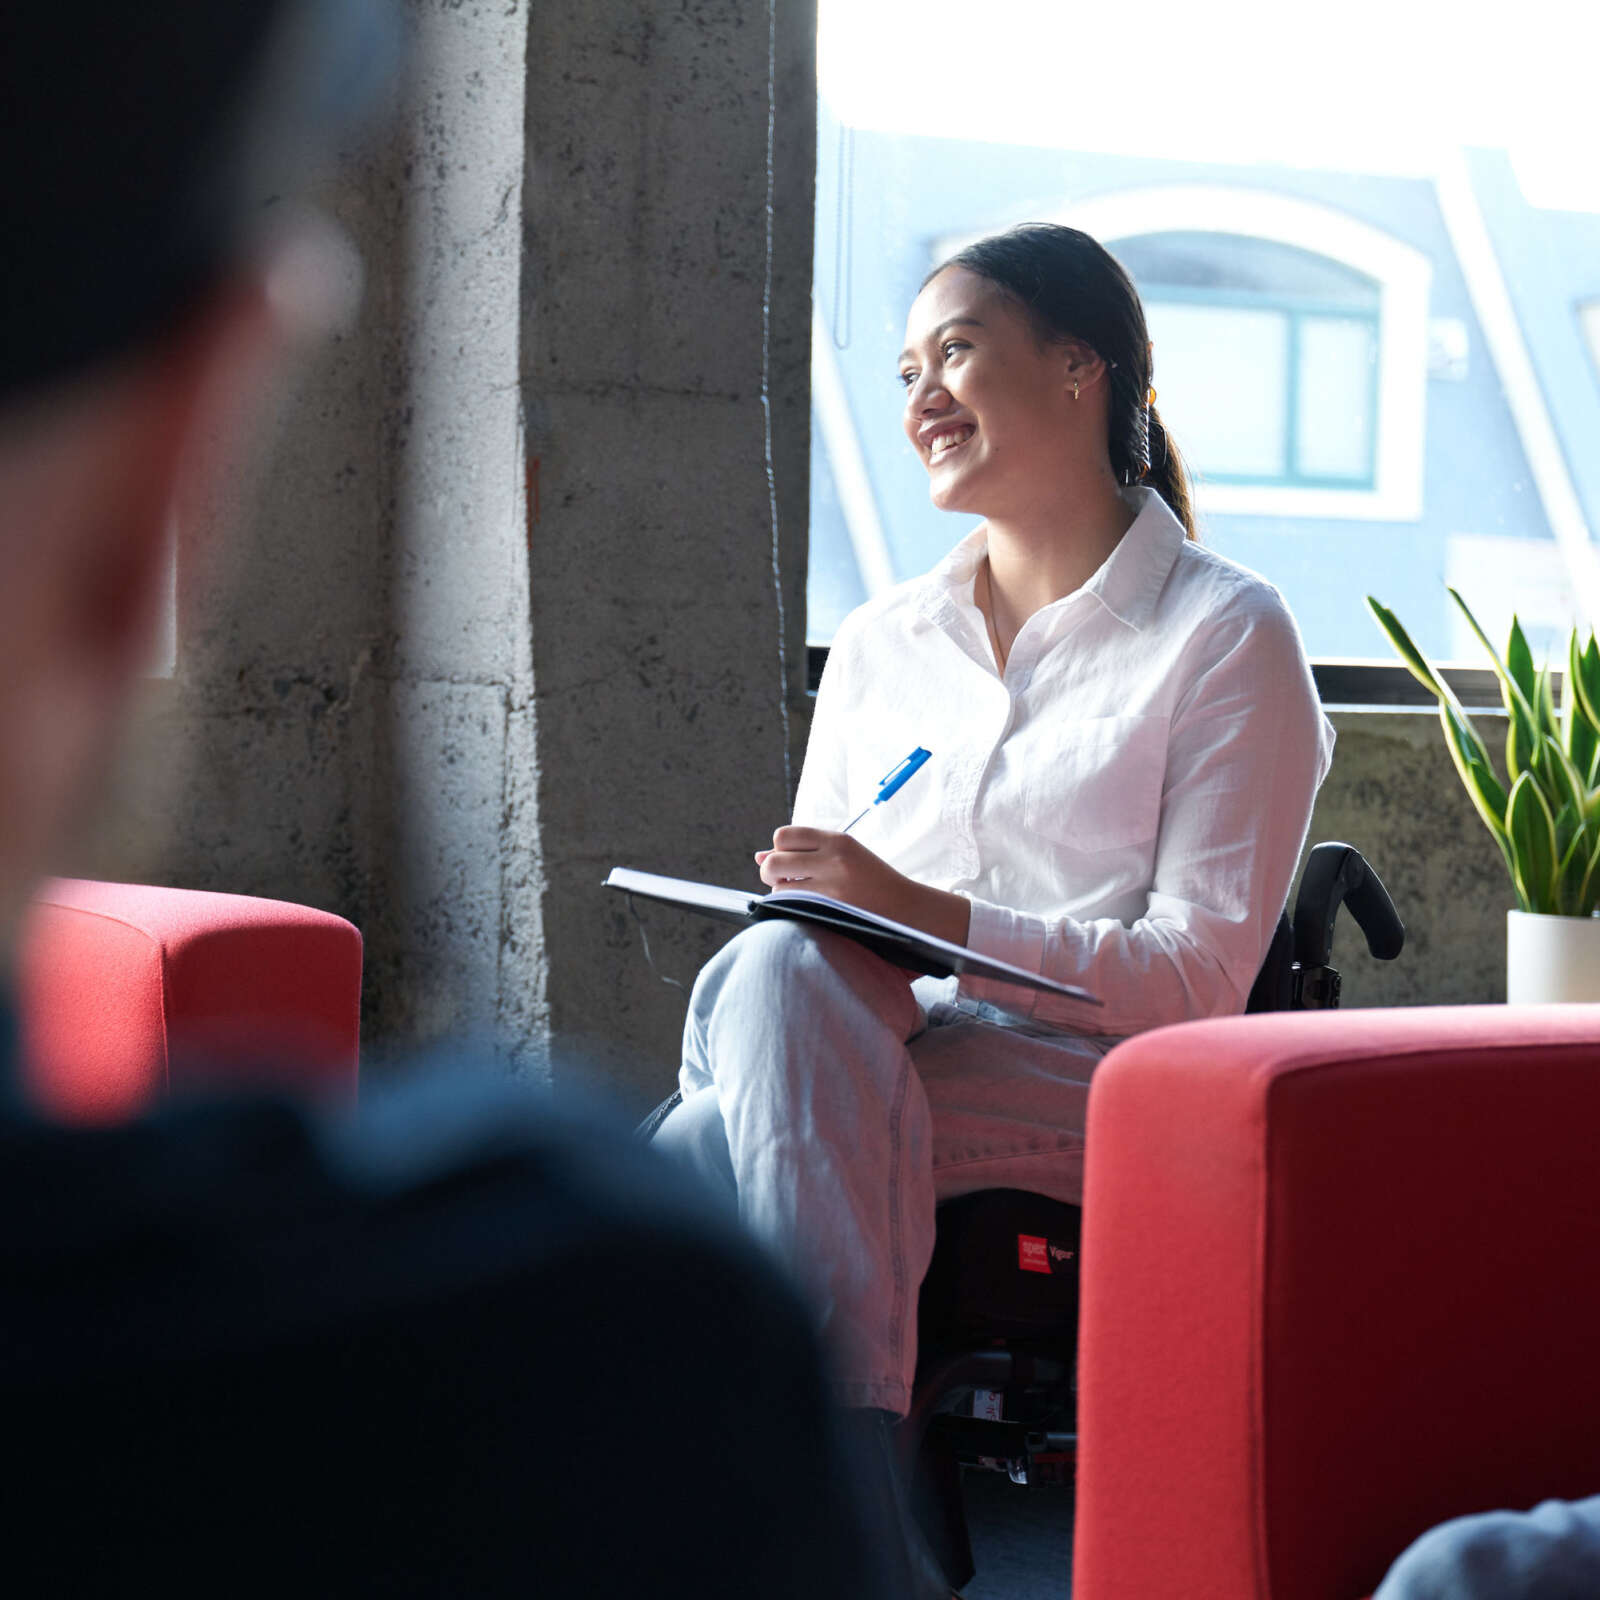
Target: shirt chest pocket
(1096, 784)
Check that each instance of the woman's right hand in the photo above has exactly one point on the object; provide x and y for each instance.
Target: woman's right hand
(843, 868)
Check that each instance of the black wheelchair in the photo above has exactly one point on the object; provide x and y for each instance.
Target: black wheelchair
(997, 1321)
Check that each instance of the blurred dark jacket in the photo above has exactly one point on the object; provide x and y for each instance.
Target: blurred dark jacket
(467, 1343)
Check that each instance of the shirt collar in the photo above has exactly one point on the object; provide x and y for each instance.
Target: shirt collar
(1128, 582)
(943, 593)
(1131, 578)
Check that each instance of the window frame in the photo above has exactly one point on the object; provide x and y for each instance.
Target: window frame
(1295, 309)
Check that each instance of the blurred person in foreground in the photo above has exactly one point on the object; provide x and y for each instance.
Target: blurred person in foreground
(469, 1342)
(1549, 1553)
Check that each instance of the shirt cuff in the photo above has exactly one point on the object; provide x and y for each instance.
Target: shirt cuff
(1004, 935)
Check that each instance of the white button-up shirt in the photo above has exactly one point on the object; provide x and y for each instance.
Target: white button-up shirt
(1124, 807)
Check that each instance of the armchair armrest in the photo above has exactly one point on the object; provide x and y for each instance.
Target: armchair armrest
(1341, 1281)
(127, 993)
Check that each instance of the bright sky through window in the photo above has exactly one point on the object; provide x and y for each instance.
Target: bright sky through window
(1380, 86)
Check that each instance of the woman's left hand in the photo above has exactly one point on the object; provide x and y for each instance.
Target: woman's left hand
(836, 865)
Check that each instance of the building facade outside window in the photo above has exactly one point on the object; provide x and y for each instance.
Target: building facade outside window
(1352, 317)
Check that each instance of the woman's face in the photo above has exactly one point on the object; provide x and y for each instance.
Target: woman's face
(988, 408)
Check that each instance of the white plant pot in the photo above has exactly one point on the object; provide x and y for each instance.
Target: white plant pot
(1551, 958)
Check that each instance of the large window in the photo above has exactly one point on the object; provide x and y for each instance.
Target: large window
(1369, 287)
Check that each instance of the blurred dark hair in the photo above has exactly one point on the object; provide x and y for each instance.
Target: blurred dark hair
(143, 139)
(1071, 287)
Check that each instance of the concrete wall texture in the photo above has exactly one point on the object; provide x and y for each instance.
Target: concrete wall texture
(1393, 793)
(502, 610)
(660, 318)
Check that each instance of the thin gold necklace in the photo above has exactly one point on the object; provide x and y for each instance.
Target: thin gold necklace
(1001, 654)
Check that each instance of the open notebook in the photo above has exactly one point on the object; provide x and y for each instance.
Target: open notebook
(905, 947)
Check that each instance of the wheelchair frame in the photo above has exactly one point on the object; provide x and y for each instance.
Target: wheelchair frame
(1010, 1403)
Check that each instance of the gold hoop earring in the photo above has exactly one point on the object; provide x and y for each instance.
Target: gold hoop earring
(1074, 388)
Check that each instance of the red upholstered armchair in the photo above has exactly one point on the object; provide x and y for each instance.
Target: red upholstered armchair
(1341, 1282)
(128, 993)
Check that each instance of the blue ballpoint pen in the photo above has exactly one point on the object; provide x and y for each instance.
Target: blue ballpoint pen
(892, 784)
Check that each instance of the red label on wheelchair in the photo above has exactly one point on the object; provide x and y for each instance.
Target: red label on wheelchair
(1033, 1253)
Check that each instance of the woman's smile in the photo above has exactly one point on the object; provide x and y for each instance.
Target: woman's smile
(942, 440)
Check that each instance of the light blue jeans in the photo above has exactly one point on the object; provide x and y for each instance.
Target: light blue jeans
(835, 1101)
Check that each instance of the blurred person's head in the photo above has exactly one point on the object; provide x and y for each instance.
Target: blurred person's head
(146, 283)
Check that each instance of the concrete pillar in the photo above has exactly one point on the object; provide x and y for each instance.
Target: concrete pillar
(461, 948)
(663, 308)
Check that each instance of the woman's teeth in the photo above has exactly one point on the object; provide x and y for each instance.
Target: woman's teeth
(948, 441)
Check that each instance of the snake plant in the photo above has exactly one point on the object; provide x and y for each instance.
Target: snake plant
(1547, 823)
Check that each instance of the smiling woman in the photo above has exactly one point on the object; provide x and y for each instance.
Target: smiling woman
(1125, 747)
(1027, 380)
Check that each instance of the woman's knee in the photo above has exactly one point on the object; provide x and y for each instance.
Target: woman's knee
(792, 973)
(778, 961)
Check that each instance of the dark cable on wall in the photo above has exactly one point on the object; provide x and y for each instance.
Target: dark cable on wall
(766, 406)
(644, 939)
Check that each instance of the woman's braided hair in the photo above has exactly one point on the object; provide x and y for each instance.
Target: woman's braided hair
(1072, 288)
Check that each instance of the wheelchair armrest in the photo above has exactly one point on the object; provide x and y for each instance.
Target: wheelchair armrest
(1338, 874)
